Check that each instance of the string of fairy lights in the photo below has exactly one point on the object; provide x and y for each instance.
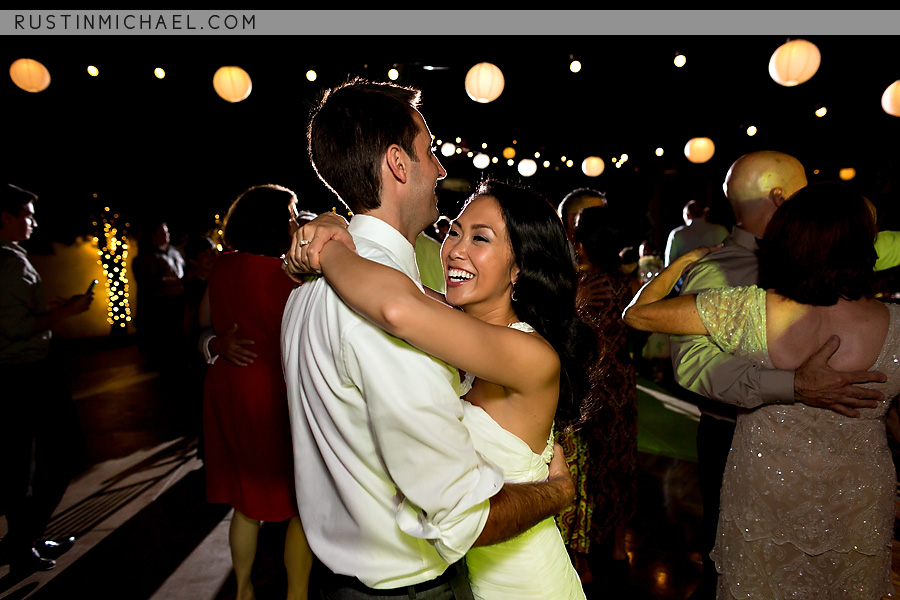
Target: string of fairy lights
(791, 64)
(112, 256)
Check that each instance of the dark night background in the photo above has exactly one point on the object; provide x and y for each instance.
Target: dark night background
(173, 147)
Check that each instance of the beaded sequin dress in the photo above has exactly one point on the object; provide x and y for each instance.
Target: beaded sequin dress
(534, 565)
(807, 502)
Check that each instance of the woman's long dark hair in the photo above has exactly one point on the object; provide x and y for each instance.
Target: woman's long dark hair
(544, 292)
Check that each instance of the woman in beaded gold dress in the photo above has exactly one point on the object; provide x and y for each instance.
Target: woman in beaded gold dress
(808, 496)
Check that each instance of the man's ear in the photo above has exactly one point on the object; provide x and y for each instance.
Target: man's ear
(397, 162)
(776, 195)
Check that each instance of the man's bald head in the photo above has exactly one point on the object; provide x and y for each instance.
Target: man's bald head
(757, 183)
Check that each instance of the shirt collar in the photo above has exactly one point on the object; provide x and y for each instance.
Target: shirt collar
(744, 238)
(378, 231)
(14, 246)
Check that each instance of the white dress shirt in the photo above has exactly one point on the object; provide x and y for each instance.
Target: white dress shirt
(389, 485)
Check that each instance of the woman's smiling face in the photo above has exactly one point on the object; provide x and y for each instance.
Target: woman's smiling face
(478, 260)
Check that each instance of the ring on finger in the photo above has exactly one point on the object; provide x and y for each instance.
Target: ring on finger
(304, 243)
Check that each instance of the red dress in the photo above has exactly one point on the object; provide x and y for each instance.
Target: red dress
(249, 456)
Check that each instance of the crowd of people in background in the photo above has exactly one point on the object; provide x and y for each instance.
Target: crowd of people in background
(447, 404)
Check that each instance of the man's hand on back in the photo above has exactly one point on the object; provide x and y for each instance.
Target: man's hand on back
(817, 384)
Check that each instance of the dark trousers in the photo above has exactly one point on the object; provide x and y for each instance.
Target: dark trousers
(452, 585)
(40, 446)
(713, 444)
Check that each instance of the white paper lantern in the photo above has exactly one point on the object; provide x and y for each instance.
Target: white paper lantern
(484, 82)
(794, 62)
(481, 160)
(699, 149)
(30, 75)
(232, 83)
(527, 167)
(448, 148)
(592, 166)
(890, 99)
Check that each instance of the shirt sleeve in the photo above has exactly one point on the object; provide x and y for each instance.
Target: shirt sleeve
(18, 306)
(670, 249)
(887, 246)
(415, 415)
(203, 345)
(701, 366)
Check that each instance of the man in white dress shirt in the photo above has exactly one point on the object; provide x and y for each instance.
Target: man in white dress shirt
(391, 492)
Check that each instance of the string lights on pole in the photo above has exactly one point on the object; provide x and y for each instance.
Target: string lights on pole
(112, 256)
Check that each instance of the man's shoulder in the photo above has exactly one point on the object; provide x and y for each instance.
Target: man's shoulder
(677, 231)
(728, 266)
(12, 262)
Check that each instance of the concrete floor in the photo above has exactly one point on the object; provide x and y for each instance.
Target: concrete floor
(145, 531)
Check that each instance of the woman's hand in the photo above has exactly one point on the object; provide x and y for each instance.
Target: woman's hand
(308, 241)
(689, 258)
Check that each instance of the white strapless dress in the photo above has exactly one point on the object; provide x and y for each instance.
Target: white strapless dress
(534, 565)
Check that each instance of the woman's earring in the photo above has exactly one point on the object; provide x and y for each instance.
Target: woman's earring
(513, 295)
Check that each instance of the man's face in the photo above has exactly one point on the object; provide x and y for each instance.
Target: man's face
(424, 175)
(20, 227)
(161, 237)
(573, 213)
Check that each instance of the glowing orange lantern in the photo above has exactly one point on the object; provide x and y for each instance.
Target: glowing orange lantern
(699, 149)
(794, 62)
(30, 75)
(592, 166)
(890, 99)
(232, 83)
(484, 82)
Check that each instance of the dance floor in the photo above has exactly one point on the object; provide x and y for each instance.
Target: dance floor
(145, 531)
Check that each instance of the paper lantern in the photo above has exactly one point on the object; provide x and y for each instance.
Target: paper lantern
(890, 99)
(794, 62)
(30, 75)
(509, 152)
(527, 167)
(592, 166)
(699, 149)
(232, 83)
(484, 82)
(847, 173)
(481, 160)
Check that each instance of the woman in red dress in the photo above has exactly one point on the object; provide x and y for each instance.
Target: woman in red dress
(248, 453)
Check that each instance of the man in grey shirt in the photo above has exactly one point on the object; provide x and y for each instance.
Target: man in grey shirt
(755, 185)
(38, 420)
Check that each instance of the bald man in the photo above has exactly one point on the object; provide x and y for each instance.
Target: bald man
(755, 185)
(575, 202)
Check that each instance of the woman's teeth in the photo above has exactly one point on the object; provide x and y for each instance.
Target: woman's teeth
(459, 275)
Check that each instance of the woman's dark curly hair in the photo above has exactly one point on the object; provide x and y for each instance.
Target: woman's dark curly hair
(545, 289)
(819, 246)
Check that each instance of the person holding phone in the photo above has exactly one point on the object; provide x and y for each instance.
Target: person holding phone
(38, 443)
